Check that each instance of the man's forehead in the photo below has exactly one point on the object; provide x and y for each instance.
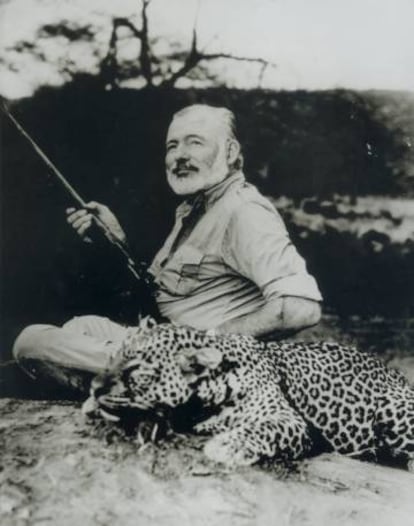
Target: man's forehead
(194, 122)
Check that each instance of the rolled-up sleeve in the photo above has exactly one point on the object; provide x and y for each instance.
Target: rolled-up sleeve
(257, 246)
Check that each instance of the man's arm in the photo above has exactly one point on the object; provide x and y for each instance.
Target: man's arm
(277, 317)
(257, 246)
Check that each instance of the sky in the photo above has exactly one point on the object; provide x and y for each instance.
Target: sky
(315, 44)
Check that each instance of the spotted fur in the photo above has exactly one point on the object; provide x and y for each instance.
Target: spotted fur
(271, 400)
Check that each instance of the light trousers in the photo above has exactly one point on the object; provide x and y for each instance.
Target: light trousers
(72, 354)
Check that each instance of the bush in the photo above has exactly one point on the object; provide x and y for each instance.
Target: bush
(361, 251)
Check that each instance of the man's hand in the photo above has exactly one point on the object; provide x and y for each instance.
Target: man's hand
(82, 220)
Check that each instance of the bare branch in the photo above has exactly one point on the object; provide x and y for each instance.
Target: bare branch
(110, 66)
(194, 57)
(214, 56)
(261, 74)
(124, 22)
(145, 54)
(110, 70)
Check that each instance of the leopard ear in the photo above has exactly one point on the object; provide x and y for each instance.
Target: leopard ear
(148, 322)
(190, 360)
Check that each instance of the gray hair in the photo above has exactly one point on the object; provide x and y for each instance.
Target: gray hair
(225, 118)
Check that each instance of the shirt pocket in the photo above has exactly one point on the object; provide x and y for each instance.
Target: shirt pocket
(189, 259)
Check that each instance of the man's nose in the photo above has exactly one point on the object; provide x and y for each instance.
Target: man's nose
(181, 153)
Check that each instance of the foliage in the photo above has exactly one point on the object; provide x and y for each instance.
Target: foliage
(362, 253)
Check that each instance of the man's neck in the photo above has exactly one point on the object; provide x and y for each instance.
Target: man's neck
(212, 194)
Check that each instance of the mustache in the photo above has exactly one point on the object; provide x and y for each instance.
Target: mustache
(184, 166)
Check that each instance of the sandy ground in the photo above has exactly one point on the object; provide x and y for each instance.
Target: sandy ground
(54, 470)
(58, 469)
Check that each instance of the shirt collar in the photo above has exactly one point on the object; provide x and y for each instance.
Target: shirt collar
(211, 195)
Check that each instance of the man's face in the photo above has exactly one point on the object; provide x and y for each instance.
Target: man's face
(196, 153)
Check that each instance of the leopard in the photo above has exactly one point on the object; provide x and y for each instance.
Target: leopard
(258, 401)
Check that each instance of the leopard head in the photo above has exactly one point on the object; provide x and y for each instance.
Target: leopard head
(158, 368)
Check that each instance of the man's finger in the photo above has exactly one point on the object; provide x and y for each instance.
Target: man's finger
(84, 227)
(80, 221)
(95, 207)
(76, 216)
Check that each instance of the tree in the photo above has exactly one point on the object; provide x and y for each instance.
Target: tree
(148, 68)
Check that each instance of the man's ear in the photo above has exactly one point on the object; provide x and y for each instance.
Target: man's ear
(195, 361)
(233, 151)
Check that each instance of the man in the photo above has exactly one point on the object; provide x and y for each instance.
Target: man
(227, 265)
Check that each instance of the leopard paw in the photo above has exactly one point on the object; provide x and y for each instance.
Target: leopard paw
(224, 449)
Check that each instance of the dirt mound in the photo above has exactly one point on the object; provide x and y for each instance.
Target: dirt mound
(55, 469)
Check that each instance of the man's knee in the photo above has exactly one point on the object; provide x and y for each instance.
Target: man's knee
(315, 313)
(31, 340)
(83, 324)
(96, 326)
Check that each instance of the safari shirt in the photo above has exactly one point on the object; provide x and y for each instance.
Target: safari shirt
(236, 257)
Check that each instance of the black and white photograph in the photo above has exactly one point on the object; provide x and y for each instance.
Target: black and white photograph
(206, 262)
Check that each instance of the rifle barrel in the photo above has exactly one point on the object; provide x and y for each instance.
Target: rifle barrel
(44, 157)
(69, 188)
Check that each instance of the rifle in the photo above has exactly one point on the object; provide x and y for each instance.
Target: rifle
(138, 271)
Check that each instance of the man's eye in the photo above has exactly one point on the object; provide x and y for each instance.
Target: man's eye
(196, 141)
